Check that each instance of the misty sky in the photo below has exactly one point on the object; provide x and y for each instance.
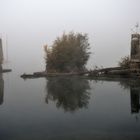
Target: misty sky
(30, 24)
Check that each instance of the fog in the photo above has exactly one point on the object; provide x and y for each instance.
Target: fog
(27, 25)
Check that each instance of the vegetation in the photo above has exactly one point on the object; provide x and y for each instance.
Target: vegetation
(124, 62)
(68, 53)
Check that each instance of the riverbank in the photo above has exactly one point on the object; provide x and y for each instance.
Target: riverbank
(113, 72)
(45, 74)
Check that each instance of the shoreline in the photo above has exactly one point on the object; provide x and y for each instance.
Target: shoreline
(89, 75)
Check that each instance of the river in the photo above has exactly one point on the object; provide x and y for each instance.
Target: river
(68, 108)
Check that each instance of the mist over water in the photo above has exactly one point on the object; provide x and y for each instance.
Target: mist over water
(67, 107)
(30, 24)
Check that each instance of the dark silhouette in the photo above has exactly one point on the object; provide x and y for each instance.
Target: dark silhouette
(134, 86)
(135, 99)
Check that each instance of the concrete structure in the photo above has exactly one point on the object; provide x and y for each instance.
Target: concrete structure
(135, 51)
(1, 55)
(1, 52)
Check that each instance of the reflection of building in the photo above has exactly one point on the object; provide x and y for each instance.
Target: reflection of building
(135, 99)
(1, 89)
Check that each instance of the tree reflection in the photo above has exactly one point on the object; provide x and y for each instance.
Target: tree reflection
(70, 93)
(1, 89)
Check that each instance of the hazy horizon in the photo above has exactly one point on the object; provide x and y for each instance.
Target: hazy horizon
(30, 24)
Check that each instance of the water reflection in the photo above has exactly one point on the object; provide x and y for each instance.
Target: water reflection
(134, 86)
(1, 89)
(70, 94)
(135, 99)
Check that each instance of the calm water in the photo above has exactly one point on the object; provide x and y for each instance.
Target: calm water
(68, 109)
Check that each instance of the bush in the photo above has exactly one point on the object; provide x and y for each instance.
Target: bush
(124, 62)
(68, 53)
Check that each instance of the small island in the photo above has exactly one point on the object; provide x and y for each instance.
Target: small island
(69, 54)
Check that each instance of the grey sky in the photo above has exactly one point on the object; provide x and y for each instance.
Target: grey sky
(29, 24)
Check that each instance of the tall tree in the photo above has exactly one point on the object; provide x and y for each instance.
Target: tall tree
(69, 53)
